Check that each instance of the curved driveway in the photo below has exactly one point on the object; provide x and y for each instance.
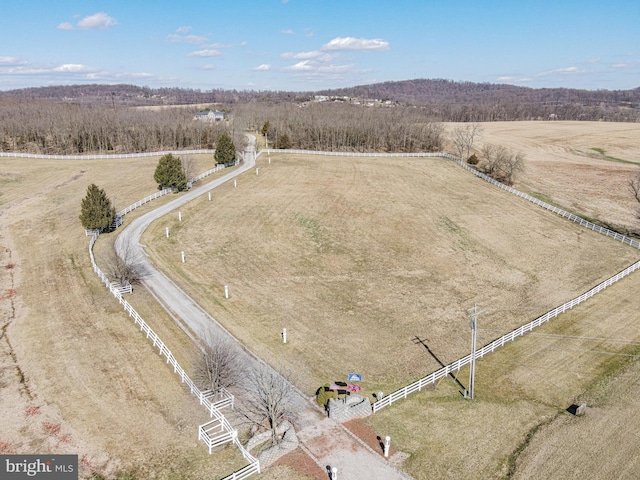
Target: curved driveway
(167, 293)
(327, 442)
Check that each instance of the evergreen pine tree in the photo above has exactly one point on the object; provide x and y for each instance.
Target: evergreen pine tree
(169, 173)
(97, 212)
(225, 150)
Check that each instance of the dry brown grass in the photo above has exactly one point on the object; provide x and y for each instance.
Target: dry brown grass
(86, 369)
(356, 257)
(71, 357)
(564, 168)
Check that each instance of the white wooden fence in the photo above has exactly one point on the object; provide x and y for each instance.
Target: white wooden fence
(547, 206)
(225, 432)
(103, 156)
(219, 431)
(458, 364)
(353, 154)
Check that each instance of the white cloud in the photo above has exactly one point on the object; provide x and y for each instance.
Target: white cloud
(287, 32)
(12, 61)
(350, 43)
(314, 54)
(134, 75)
(205, 53)
(99, 21)
(184, 29)
(263, 68)
(217, 45)
(73, 68)
(303, 66)
(513, 79)
(193, 39)
(67, 69)
(65, 26)
(559, 71)
(622, 65)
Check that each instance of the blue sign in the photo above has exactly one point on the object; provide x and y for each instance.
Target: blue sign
(354, 377)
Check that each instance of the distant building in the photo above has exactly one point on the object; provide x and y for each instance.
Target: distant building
(209, 116)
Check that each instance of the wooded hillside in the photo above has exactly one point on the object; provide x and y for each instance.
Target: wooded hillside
(445, 100)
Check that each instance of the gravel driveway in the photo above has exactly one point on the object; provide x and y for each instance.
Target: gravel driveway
(327, 442)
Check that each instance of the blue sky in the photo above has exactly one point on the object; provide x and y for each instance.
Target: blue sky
(305, 45)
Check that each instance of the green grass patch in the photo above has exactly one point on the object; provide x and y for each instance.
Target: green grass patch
(604, 156)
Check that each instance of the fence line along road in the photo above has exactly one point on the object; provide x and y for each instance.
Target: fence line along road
(213, 433)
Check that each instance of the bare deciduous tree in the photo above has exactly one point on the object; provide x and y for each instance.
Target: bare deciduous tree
(463, 139)
(123, 267)
(269, 398)
(501, 163)
(219, 364)
(189, 166)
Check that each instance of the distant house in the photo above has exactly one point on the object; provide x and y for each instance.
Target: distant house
(209, 116)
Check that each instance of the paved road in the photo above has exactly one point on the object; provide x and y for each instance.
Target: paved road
(327, 442)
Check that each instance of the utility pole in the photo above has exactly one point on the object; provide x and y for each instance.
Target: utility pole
(474, 314)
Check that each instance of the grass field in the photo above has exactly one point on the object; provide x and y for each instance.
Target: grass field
(358, 256)
(76, 377)
(71, 358)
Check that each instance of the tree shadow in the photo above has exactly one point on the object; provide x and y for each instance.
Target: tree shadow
(418, 341)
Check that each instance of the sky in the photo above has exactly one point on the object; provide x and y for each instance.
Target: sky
(307, 45)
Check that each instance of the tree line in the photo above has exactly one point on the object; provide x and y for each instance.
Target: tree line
(340, 127)
(45, 127)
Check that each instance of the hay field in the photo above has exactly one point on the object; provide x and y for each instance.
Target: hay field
(77, 377)
(565, 166)
(358, 256)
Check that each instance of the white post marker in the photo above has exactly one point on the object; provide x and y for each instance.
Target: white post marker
(226, 291)
(257, 170)
(387, 445)
(209, 196)
(182, 257)
(179, 216)
(334, 473)
(167, 231)
(235, 184)
(284, 335)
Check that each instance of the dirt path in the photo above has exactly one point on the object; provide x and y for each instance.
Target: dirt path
(329, 444)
